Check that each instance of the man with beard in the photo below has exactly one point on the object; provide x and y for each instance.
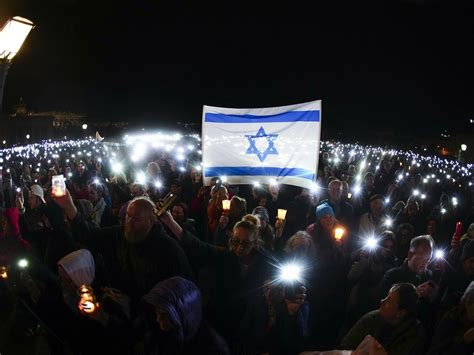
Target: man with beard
(137, 255)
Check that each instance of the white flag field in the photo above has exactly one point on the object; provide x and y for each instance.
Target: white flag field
(261, 144)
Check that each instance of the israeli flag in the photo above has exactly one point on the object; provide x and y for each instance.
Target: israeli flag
(261, 144)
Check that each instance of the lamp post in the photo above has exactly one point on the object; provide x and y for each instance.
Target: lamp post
(12, 36)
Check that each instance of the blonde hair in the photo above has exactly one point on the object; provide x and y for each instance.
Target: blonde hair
(253, 219)
(298, 236)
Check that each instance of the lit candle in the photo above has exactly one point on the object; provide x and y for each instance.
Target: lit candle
(226, 205)
(281, 214)
(339, 233)
(3, 272)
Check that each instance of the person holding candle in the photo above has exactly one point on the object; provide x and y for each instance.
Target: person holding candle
(232, 212)
(343, 211)
(137, 255)
(328, 276)
(95, 323)
(214, 208)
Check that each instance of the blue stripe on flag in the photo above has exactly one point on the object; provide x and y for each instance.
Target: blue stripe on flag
(292, 116)
(259, 171)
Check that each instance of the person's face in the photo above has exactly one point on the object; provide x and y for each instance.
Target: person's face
(163, 319)
(405, 237)
(327, 221)
(412, 211)
(94, 196)
(389, 310)
(178, 214)
(138, 223)
(33, 201)
(263, 222)
(431, 227)
(468, 266)
(262, 202)
(345, 188)
(242, 242)
(152, 170)
(369, 181)
(376, 206)
(80, 168)
(175, 189)
(136, 191)
(419, 259)
(387, 248)
(335, 191)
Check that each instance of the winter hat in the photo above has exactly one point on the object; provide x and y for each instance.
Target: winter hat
(323, 210)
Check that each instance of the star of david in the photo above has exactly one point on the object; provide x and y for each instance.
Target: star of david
(254, 146)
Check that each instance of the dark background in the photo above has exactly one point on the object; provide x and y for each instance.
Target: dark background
(401, 66)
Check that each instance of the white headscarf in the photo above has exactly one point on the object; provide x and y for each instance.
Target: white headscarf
(80, 267)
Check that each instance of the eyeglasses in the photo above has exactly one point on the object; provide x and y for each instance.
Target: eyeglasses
(236, 243)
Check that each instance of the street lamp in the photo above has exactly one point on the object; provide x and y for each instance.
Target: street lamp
(12, 36)
(84, 126)
(463, 147)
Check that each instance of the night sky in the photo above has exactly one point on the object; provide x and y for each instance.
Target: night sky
(406, 64)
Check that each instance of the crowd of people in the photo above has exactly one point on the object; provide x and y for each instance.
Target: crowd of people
(376, 258)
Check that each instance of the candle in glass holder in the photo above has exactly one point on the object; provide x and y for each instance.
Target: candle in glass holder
(339, 233)
(87, 303)
(58, 186)
(226, 205)
(281, 214)
(3, 272)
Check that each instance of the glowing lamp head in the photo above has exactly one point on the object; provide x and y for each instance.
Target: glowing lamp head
(388, 222)
(416, 192)
(158, 184)
(463, 147)
(12, 36)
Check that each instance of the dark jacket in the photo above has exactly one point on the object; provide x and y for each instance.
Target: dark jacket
(230, 285)
(285, 334)
(402, 274)
(406, 338)
(448, 336)
(134, 268)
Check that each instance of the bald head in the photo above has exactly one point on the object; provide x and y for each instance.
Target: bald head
(140, 219)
